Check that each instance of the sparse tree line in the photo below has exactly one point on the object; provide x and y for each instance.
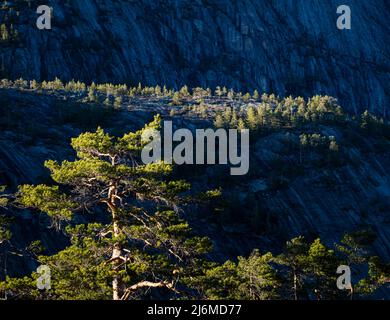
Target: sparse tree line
(147, 249)
(8, 33)
(9, 16)
(252, 111)
(95, 91)
(275, 113)
(325, 145)
(304, 270)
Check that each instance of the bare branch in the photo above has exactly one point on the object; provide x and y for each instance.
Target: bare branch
(148, 284)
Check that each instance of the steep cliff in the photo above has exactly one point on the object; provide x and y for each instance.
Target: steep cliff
(286, 47)
(281, 197)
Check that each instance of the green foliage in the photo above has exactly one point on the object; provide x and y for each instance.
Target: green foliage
(176, 99)
(4, 34)
(252, 119)
(374, 125)
(378, 275)
(294, 258)
(91, 95)
(246, 97)
(81, 271)
(146, 239)
(218, 282)
(36, 248)
(3, 199)
(219, 121)
(5, 233)
(269, 112)
(260, 280)
(325, 145)
(118, 102)
(218, 91)
(23, 288)
(184, 92)
(47, 199)
(310, 269)
(274, 113)
(145, 242)
(318, 142)
(107, 101)
(8, 33)
(241, 125)
(322, 263)
(354, 247)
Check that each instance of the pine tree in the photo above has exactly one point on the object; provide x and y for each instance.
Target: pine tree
(252, 278)
(5, 233)
(165, 91)
(218, 282)
(311, 269)
(234, 120)
(246, 97)
(294, 257)
(378, 275)
(139, 88)
(227, 115)
(333, 146)
(4, 34)
(184, 92)
(91, 95)
(303, 144)
(259, 279)
(107, 101)
(3, 197)
(118, 102)
(34, 85)
(138, 249)
(252, 119)
(322, 263)
(176, 100)
(57, 84)
(241, 124)
(219, 121)
(157, 91)
(218, 91)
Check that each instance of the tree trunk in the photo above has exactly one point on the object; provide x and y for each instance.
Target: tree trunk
(352, 291)
(295, 287)
(117, 286)
(116, 253)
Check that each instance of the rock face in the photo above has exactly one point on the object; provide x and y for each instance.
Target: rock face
(286, 47)
(34, 128)
(323, 200)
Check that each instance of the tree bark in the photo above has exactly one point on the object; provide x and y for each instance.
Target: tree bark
(295, 286)
(116, 253)
(117, 286)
